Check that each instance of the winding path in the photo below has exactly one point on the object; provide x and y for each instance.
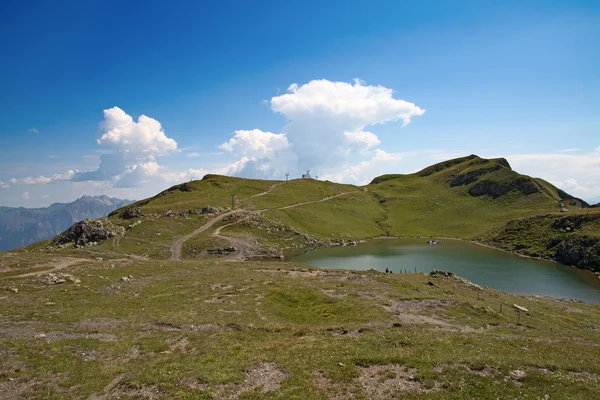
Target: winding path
(58, 265)
(178, 243)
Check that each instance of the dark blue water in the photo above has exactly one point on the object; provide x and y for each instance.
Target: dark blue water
(484, 266)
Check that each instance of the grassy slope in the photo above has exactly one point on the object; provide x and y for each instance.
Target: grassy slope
(197, 329)
(202, 328)
(419, 205)
(427, 203)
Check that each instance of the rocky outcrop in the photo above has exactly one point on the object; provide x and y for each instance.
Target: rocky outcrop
(580, 251)
(495, 189)
(131, 213)
(444, 165)
(87, 231)
(573, 222)
(471, 176)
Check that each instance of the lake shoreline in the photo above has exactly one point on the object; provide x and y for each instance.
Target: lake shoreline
(460, 262)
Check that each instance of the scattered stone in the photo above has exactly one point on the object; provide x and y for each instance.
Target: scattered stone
(57, 279)
(131, 213)
(40, 336)
(439, 272)
(564, 210)
(125, 279)
(15, 290)
(210, 210)
(517, 374)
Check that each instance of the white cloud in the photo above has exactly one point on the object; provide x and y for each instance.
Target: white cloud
(367, 139)
(174, 177)
(3, 185)
(25, 196)
(33, 130)
(356, 104)
(145, 137)
(193, 154)
(132, 162)
(326, 125)
(136, 146)
(571, 186)
(255, 143)
(577, 174)
(36, 180)
(363, 172)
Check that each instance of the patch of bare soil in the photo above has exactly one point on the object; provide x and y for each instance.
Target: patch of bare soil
(333, 293)
(179, 344)
(173, 327)
(382, 382)
(334, 390)
(409, 312)
(193, 383)
(21, 388)
(30, 329)
(119, 388)
(376, 382)
(220, 300)
(581, 376)
(54, 336)
(99, 323)
(264, 377)
(480, 370)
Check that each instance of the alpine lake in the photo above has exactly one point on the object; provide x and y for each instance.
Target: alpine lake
(479, 264)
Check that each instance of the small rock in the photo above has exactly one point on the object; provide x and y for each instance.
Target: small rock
(40, 336)
(517, 374)
(15, 290)
(125, 279)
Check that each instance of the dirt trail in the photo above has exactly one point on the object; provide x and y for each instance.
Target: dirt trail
(56, 266)
(311, 202)
(177, 244)
(243, 245)
(269, 190)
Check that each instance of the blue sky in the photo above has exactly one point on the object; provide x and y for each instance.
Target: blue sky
(437, 79)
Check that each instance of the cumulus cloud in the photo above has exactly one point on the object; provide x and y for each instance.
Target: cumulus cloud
(134, 148)
(260, 154)
(326, 125)
(144, 137)
(366, 139)
(577, 174)
(3, 185)
(36, 180)
(363, 172)
(25, 196)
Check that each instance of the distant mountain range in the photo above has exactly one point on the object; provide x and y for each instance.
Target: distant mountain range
(22, 226)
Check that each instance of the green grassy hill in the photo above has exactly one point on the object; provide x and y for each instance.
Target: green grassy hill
(469, 198)
(153, 303)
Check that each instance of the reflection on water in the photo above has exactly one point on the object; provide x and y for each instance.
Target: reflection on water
(482, 265)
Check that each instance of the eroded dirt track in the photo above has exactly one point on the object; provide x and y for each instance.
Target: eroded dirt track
(239, 243)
